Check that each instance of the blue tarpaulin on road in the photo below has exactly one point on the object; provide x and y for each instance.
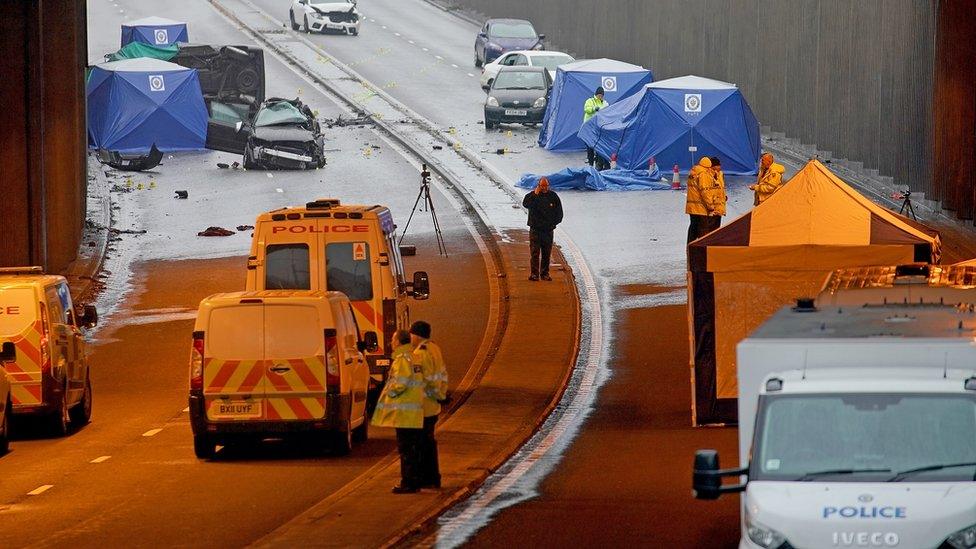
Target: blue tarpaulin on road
(665, 118)
(574, 84)
(135, 103)
(155, 31)
(589, 178)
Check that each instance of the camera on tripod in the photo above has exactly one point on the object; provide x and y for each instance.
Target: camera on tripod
(428, 205)
(424, 175)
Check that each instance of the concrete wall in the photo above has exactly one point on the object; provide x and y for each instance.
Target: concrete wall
(853, 77)
(42, 142)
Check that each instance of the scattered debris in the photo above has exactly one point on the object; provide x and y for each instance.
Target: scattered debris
(215, 231)
(116, 188)
(243, 228)
(501, 151)
(182, 195)
(113, 230)
(340, 122)
(226, 166)
(130, 162)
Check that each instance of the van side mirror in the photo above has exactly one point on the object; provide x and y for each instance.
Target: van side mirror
(8, 352)
(369, 343)
(89, 317)
(420, 287)
(706, 479)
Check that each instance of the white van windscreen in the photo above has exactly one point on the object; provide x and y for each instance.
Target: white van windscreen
(18, 310)
(235, 333)
(286, 267)
(293, 331)
(348, 270)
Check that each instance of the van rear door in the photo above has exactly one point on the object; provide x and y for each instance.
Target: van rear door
(287, 249)
(234, 365)
(294, 336)
(21, 324)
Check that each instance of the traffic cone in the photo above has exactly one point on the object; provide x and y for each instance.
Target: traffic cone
(675, 178)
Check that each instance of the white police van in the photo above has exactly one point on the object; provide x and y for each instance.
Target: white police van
(857, 428)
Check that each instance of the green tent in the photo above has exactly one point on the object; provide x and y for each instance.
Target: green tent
(133, 50)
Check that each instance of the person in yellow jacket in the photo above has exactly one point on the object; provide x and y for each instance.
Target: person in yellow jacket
(700, 204)
(428, 355)
(716, 195)
(401, 405)
(770, 179)
(590, 108)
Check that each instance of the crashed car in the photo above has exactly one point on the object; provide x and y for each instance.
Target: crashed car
(284, 134)
(341, 17)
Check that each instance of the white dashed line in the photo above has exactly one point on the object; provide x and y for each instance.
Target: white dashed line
(100, 459)
(396, 34)
(471, 75)
(425, 49)
(453, 65)
(384, 27)
(277, 191)
(186, 410)
(372, 20)
(40, 490)
(151, 432)
(411, 41)
(438, 57)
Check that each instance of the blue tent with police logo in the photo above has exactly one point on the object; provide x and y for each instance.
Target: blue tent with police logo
(677, 121)
(135, 103)
(574, 84)
(155, 31)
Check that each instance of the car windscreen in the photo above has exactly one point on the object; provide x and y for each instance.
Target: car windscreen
(347, 270)
(281, 113)
(512, 30)
(286, 267)
(865, 437)
(18, 310)
(519, 80)
(550, 61)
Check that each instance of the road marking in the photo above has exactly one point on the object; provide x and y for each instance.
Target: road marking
(384, 27)
(372, 20)
(411, 41)
(471, 75)
(396, 34)
(453, 65)
(186, 410)
(277, 191)
(151, 432)
(438, 57)
(40, 490)
(425, 49)
(100, 459)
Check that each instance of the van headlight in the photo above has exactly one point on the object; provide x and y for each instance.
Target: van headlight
(762, 535)
(963, 539)
(539, 103)
(492, 102)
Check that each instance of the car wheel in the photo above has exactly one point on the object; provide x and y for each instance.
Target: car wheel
(5, 427)
(203, 447)
(361, 433)
(61, 419)
(342, 440)
(308, 30)
(477, 60)
(294, 25)
(489, 124)
(354, 32)
(81, 413)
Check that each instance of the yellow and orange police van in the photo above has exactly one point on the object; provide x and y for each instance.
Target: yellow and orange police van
(277, 362)
(347, 248)
(7, 354)
(49, 371)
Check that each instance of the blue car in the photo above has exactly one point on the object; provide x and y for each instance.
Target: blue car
(503, 35)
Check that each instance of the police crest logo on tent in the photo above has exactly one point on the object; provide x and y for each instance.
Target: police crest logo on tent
(156, 83)
(609, 83)
(693, 102)
(162, 37)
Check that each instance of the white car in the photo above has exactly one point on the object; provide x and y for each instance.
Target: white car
(533, 58)
(342, 17)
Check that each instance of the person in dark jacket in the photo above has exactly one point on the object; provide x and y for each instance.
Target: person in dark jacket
(545, 212)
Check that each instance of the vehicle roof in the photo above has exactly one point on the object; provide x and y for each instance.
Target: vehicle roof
(508, 20)
(273, 295)
(522, 68)
(23, 280)
(362, 211)
(917, 283)
(536, 53)
(871, 321)
(871, 380)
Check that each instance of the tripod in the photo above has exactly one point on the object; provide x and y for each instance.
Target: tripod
(428, 206)
(906, 205)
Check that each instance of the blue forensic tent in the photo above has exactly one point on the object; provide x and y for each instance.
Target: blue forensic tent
(134, 103)
(155, 31)
(589, 178)
(574, 84)
(666, 118)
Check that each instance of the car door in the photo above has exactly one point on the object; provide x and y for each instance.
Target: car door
(294, 350)
(76, 359)
(228, 127)
(234, 364)
(61, 336)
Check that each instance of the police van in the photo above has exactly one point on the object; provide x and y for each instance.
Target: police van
(277, 362)
(45, 352)
(347, 248)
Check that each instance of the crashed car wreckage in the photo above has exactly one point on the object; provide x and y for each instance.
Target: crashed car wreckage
(341, 17)
(284, 133)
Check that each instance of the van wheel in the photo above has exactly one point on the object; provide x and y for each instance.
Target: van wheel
(342, 441)
(5, 427)
(61, 418)
(81, 413)
(203, 447)
(294, 25)
(361, 433)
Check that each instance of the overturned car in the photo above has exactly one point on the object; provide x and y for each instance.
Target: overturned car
(284, 134)
(341, 17)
